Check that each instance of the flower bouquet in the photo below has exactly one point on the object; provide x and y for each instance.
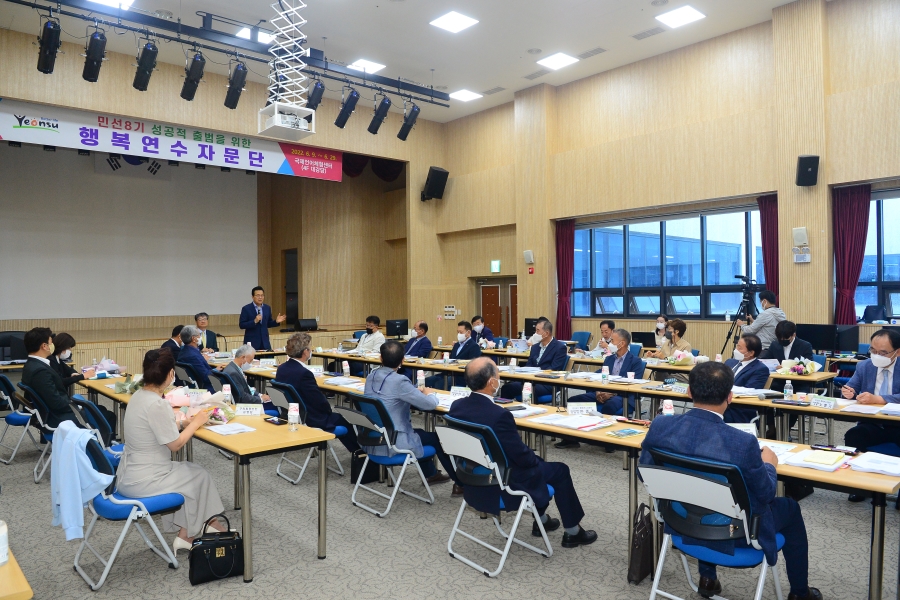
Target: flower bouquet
(681, 358)
(799, 367)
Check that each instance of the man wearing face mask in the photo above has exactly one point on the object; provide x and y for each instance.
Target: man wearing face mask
(243, 359)
(46, 383)
(371, 341)
(174, 343)
(548, 354)
(748, 372)
(418, 346)
(190, 354)
(788, 347)
(606, 329)
(480, 331)
(465, 348)
(763, 325)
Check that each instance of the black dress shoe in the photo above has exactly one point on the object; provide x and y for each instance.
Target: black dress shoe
(457, 491)
(551, 525)
(439, 477)
(582, 538)
(856, 497)
(811, 594)
(709, 587)
(567, 444)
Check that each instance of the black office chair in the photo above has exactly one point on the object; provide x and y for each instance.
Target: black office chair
(187, 375)
(874, 312)
(102, 430)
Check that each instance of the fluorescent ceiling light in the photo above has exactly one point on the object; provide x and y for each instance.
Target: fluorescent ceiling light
(454, 22)
(465, 95)
(681, 16)
(264, 38)
(115, 3)
(557, 61)
(366, 65)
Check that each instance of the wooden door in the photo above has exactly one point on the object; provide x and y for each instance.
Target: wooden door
(514, 310)
(490, 307)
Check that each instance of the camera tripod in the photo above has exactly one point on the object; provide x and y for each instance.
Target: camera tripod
(748, 306)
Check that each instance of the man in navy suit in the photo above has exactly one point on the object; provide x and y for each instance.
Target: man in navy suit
(480, 331)
(465, 348)
(419, 346)
(548, 354)
(528, 472)
(318, 411)
(190, 354)
(702, 433)
(748, 372)
(256, 320)
(208, 342)
(787, 347)
(174, 343)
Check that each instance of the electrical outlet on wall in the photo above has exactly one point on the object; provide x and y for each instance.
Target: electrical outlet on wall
(317, 318)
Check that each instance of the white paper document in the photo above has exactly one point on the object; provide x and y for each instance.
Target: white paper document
(798, 459)
(359, 386)
(340, 381)
(230, 428)
(505, 368)
(619, 379)
(744, 391)
(780, 449)
(446, 400)
(874, 462)
(529, 411)
(863, 409)
(579, 422)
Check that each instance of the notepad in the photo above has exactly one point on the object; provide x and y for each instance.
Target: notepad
(340, 381)
(798, 459)
(863, 409)
(230, 429)
(873, 462)
(577, 422)
(824, 457)
(624, 433)
(781, 450)
(528, 412)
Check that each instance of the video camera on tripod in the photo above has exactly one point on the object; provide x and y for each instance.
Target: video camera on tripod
(749, 289)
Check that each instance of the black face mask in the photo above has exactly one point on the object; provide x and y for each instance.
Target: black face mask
(784, 343)
(370, 330)
(669, 335)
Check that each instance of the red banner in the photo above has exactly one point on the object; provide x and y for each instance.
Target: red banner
(314, 163)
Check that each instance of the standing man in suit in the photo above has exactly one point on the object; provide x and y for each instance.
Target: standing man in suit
(702, 433)
(256, 320)
(208, 341)
(465, 348)
(190, 354)
(174, 343)
(480, 331)
(419, 346)
(46, 383)
(528, 473)
(748, 372)
(547, 354)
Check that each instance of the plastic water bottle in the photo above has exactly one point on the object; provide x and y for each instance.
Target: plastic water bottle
(293, 416)
(446, 358)
(727, 315)
(788, 390)
(512, 365)
(500, 345)
(526, 393)
(340, 347)
(346, 367)
(226, 391)
(440, 341)
(94, 362)
(420, 381)
(604, 375)
(4, 543)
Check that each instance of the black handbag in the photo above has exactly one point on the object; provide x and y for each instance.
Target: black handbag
(356, 463)
(216, 555)
(640, 557)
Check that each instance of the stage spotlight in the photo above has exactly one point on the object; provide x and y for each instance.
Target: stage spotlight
(193, 73)
(409, 119)
(49, 46)
(93, 56)
(235, 85)
(347, 108)
(315, 95)
(380, 114)
(146, 65)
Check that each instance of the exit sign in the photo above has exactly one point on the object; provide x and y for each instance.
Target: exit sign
(495, 266)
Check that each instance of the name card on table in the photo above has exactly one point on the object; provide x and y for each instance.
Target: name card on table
(581, 408)
(459, 391)
(652, 362)
(267, 362)
(680, 388)
(248, 410)
(822, 402)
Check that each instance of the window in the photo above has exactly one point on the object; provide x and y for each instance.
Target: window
(683, 266)
(879, 278)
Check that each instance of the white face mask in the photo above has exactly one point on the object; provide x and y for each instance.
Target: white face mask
(738, 355)
(496, 392)
(660, 325)
(246, 367)
(536, 339)
(478, 328)
(460, 337)
(66, 355)
(881, 361)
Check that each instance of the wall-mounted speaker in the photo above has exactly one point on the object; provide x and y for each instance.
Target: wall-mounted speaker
(807, 170)
(435, 183)
(529, 257)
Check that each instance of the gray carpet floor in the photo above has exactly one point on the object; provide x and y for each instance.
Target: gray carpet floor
(404, 555)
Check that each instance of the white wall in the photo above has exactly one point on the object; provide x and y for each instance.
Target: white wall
(75, 243)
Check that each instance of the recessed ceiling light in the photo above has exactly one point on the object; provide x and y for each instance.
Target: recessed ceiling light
(454, 22)
(366, 66)
(115, 3)
(557, 61)
(465, 95)
(264, 38)
(681, 16)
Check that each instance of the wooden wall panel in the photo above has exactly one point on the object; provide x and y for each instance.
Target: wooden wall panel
(480, 199)
(864, 44)
(127, 325)
(481, 141)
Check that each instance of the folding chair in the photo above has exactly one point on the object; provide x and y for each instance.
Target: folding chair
(705, 500)
(374, 428)
(113, 506)
(98, 424)
(42, 414)
(285, 394)
(20, 417)
(186, 373)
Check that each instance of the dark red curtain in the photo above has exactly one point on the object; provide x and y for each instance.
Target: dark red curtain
(768, 223)
(850, 224)
(386, 169)
(354, 164)
(565, 270)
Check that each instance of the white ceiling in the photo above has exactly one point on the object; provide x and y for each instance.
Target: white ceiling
(492, 53)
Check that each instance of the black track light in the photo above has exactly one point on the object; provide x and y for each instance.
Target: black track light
(146, 65)
(49, 46)
(193, 73)
(409, 119)
(236, 85)
(380, 114)
(315, 95)
(93, 56)
(347, 108)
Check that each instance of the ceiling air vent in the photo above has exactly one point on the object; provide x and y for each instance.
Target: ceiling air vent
(537, 74)
(493, 91)
(649, 33)
(590, 53)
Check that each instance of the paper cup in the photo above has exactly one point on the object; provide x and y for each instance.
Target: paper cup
(630, 374)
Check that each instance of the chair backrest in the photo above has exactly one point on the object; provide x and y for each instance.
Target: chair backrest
(43, 411)
(695, 352)
(874, 312)
(358, 334)
(864, 348)
(383, 432)
(699, 498)
(217, 379)
(286, 394)
(479, 473)
(583, 338)
(94, 419)
(499, 339)
(820, 359)
(635, 349)
(186, 373)
(643, 369)
(8, 394)
(101, 463)
(368, 433)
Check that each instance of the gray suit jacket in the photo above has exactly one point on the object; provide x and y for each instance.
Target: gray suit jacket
(242, 393)
(398, 393)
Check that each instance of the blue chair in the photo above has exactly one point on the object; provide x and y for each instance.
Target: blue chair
(20, 417)
(635, 349)
(113, 506)
(583, 338)
(42, 415)
(97, 422)
(888, 448)
(850, 367)
(481, 463)
(705, 500)
(281, 395)
(504, 340)
(695, 352)
(358, 334)
(187, 375)
(219, 378)
(374, 427)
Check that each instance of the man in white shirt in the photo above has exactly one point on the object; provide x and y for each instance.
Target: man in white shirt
(371, 341)
(606, 330)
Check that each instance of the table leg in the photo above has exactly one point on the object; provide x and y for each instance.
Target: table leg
(120, 421)
(829, 429)
(801, 428)
(237, 483)
(323, 498)
(654, 407)
(632, 498)
(876, 556)
(189, 450)
(784, 435)
(246, 521)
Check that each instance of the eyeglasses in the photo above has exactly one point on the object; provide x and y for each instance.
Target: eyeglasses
(885, 354)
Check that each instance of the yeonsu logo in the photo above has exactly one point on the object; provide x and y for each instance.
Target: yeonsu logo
(43, 123)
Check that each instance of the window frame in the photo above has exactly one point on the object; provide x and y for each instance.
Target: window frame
(882, 286)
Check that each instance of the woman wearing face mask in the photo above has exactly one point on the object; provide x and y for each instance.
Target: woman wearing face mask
(62, 354)
(674, 340)
(147, 468)
(662, 323)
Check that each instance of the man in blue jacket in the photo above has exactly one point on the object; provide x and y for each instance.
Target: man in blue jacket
(748, 372)
(190, 354)
(465, 348)
(702, 433)
(418, 346)
(256, 320)
(480, 331)
(549, 354)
